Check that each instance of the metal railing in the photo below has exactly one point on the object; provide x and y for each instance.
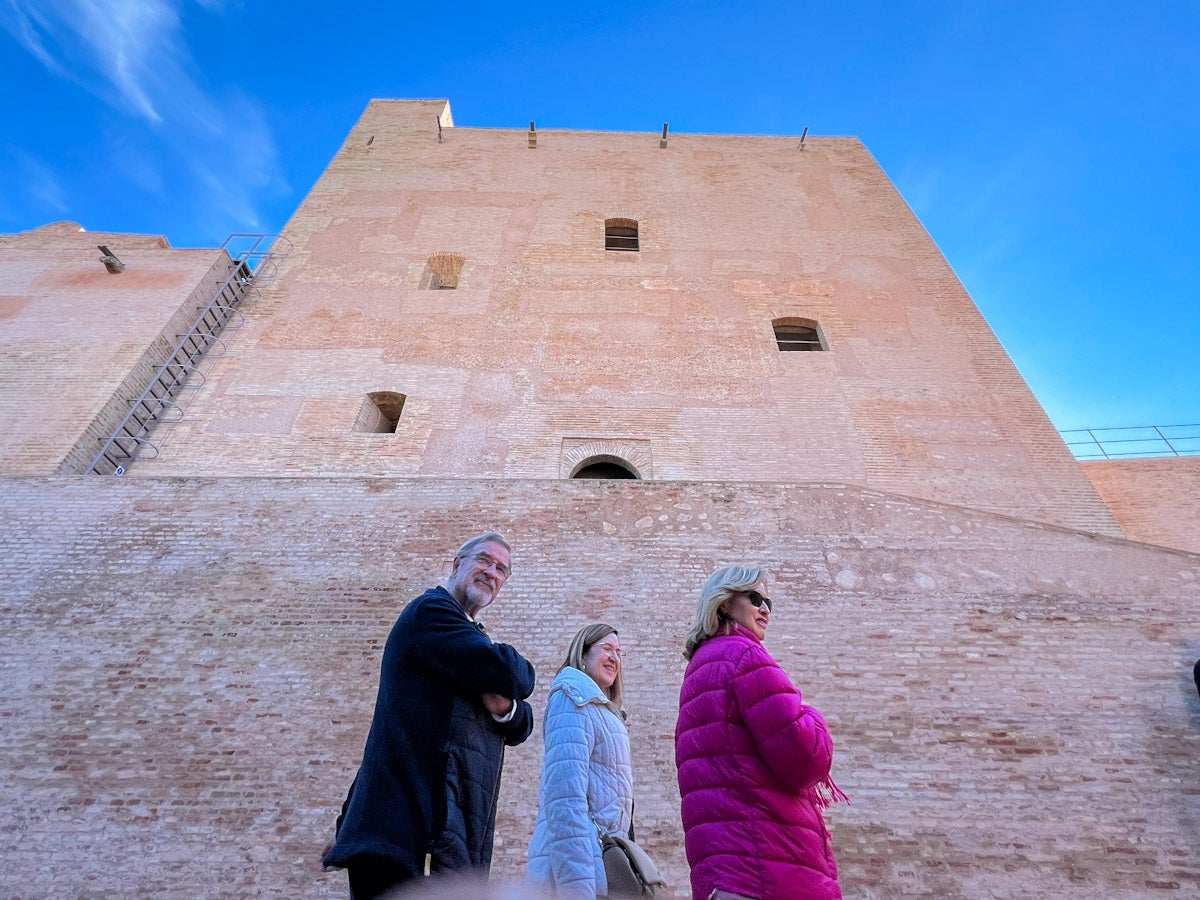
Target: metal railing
(1132, 441)
(255, 260)
(259, 253)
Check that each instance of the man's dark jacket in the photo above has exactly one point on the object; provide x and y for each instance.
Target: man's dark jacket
(431, 738)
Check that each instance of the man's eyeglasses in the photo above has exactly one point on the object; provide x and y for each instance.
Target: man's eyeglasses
(757, 600)
(488, 561)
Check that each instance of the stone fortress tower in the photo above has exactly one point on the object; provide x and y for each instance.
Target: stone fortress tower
(641, 356)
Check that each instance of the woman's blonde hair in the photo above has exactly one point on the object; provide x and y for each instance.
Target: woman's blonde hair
(584, 640)
(719, 587)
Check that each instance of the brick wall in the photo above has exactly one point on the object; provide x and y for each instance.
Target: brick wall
(191, 665)
(1153, 500)
(549, 340)
(78, 344)
(192, 652)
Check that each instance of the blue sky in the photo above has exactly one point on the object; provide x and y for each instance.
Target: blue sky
(1052, 149)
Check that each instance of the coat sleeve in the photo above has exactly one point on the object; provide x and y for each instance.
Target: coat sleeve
(792, 738)
(454, 648)
(517, 729)
(572, 842)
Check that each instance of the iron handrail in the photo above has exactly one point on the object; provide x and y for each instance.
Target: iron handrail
(1133, 441)
(254, 262)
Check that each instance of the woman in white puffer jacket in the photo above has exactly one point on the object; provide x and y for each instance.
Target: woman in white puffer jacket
(587, 781)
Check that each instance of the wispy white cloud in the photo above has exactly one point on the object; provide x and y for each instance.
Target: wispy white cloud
(26, 23)
(27, 178)
(235, 180)
(134, 46)
(133, 55)
(986, 204)
(43, 184)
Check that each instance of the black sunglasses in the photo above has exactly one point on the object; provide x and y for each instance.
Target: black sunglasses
(756, 600)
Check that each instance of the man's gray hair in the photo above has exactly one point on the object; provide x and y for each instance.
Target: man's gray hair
(488, 537)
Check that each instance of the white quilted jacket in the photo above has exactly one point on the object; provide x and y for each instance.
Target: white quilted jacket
(586, 780)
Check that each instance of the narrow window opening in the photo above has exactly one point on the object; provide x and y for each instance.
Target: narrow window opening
(442, 272)
(620, 234)
(798, 336)
(604, 470)
(605, 466)
(380, 413)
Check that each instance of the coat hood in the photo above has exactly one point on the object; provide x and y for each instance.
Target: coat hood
(579, 687)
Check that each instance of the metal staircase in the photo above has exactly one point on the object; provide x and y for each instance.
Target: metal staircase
(255, 264)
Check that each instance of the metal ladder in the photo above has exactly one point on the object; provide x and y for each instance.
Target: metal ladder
(255, 264)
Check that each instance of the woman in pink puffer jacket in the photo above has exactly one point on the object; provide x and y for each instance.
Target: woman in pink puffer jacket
(753, 760)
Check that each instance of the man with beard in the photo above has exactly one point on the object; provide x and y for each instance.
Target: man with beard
(424, 798)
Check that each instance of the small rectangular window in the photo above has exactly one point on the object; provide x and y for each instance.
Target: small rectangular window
(797, 337)
(620, 234)
(442, 272)
(380, 413)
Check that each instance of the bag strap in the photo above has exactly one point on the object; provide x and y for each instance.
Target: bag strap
(632, 832)
(601, 832)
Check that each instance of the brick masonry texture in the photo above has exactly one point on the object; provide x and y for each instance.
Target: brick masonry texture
(77, 344)
(191, 652)
(550, 339)
(191, 666)
(1153, 500)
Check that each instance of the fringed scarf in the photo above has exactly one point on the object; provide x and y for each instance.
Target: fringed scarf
(825, 793)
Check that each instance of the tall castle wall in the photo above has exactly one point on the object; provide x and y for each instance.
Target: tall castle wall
(192, 650)
(78, 345)
(549, 343)
(191, 667)
(1153, 500)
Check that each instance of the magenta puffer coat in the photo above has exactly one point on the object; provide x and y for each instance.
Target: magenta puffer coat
(754, 767)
